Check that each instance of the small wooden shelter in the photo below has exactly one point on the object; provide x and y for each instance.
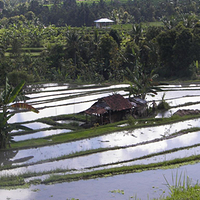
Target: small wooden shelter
(110, 109)
(101, 23)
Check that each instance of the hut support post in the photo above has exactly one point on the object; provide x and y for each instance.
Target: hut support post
(101, 119)
(109, 116)
(86, 118)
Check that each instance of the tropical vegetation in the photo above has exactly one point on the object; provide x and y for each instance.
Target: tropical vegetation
(57, 41)
(7, 97)
(39, 41)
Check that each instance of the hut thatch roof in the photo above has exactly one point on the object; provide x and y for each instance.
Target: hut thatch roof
(114, 102)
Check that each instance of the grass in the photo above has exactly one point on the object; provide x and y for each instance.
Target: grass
(189, 193)
(96, 131)
(92, 151)
(10, 181)
(92, 132)
(118, 170)
(182, 188)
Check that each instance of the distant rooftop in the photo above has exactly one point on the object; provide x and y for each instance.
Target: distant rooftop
(104, 20)
(101, 23)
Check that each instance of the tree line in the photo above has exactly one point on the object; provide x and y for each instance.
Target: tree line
(96, 55)
(83, 13)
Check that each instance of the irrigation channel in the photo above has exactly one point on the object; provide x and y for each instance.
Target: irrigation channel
(139, 146)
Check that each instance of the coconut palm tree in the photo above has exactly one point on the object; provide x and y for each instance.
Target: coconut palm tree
(73, 42)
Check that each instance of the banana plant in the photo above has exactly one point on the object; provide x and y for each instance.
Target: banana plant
(7, 101)
(142, 83)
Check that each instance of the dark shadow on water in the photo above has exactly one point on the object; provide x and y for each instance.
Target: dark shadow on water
(6, 158)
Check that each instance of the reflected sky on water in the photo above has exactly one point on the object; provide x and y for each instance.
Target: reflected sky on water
(119, 155)
(40, 134)
(36, 125)
(145, 180)
(70, 106)
(122, 138)
(81, 103)
(143, 185)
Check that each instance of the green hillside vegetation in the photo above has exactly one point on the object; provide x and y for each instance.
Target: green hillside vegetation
(58, 42)
(88, 54)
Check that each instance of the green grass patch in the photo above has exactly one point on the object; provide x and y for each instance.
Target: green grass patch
(92, 151)
(97, 131)
(182, 188)
(33, 54)
(122, 170)
(157, 24)
(7, 181)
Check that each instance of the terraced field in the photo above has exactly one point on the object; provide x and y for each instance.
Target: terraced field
(142, 146)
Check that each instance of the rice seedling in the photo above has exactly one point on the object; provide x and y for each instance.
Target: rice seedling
(182, 188)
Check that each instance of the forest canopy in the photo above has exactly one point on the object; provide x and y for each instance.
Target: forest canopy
(57, 40)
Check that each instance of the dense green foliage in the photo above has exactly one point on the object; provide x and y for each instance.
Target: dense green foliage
(36, 53)
(33, 49)
(80, 13)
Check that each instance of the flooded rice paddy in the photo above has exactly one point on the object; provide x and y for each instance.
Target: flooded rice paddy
(126, 148)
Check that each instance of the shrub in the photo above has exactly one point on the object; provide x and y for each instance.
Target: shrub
(163, 105)
(15, 77)
(131, 120)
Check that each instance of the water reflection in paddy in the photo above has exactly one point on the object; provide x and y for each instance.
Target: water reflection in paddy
(174, 94)
(69, 106)
(36, 125)
(79, 189)
(183, 100)
(119, 155)
(123, 138)
(73, 91)
(50, 97)
(84, 102)
(70, 121)
(52, 111)
(40, 134)
(145, 185)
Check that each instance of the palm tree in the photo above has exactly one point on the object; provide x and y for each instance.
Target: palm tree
(73, 41)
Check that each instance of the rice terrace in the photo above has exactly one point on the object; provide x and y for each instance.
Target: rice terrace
(116, 160)
(99, 100)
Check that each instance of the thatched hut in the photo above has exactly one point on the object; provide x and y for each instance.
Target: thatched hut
(110, 109)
